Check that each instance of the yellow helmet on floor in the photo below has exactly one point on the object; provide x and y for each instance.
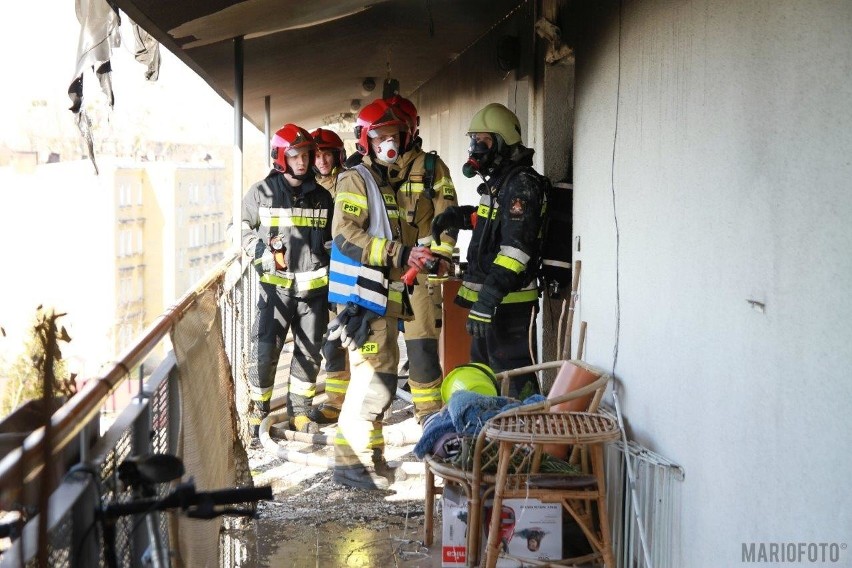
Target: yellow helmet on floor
(474, 377)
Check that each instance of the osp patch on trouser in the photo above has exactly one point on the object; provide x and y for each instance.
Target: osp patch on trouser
(507, 346)
(371, 391)
(421, 342)
(277, 314)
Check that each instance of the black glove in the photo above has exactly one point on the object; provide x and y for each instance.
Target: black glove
(454, 218)
(481, 314)
(478, 321)
(338, 324)
(351, 327)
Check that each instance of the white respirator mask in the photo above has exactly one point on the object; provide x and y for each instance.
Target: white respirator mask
(388, 151)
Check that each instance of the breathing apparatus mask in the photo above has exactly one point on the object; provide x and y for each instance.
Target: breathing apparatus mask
(480, 157)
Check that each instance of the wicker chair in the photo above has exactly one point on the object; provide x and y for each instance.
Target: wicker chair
(584, 499)
(480, 480)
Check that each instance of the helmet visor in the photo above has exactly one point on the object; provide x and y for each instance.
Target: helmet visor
(385, 130)
(294, 151)
(482, 148)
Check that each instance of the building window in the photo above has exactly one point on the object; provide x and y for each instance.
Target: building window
(125, 290)
(125, 335)
(124, 195)
(125, 242)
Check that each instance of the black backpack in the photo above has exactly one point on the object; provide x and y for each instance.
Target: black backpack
(554, 260)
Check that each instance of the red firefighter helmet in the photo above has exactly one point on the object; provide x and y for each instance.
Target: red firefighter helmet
(412, 119)
(375, 115)
(329, 141)
(289, 140)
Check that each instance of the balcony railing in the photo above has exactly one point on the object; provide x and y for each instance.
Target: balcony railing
(148, 424)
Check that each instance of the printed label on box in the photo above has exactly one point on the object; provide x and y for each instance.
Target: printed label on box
(529, 528)
(454, 528)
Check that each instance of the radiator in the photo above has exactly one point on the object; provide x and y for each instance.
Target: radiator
(658, 484)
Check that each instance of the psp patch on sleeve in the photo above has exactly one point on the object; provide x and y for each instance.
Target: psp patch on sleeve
(351, 208)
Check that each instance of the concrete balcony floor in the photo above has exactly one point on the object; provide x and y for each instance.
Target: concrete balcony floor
(314, 522)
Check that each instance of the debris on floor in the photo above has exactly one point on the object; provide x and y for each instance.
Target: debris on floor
(315, 522)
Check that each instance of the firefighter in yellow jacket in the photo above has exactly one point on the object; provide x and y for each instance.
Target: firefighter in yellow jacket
(367, 262)
(424, 190)
(328, 165)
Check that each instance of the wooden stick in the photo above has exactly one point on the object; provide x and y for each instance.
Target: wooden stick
(575, 283)
(582, 341)
(560, 325)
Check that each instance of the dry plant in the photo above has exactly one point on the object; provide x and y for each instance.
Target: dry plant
(39, 371)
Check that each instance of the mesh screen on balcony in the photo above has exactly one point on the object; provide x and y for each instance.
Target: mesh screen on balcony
(208, 443)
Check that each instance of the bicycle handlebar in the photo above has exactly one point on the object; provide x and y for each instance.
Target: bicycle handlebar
(185, 496)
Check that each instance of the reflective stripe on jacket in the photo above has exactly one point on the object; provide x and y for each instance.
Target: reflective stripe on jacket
(418, 208)
(364, 266)
(301, 216)
(505, 245)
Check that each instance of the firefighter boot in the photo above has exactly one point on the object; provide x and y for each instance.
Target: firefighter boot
(328, 411)
(259, 411)
(303, 423)
(360, 477)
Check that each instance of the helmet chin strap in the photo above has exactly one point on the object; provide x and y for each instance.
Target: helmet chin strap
(302, 177)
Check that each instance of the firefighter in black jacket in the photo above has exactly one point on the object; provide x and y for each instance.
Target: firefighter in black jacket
(499, 285)
(286, 229)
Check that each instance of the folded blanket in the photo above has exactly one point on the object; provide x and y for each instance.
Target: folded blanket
(436, 427)
(465, 414)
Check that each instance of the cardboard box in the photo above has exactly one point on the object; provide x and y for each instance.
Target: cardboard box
(529, 529)
(453, 528)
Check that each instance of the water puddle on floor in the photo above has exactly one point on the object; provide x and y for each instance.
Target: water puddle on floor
(335, 545)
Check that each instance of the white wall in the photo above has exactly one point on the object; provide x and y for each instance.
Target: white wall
(732, 183)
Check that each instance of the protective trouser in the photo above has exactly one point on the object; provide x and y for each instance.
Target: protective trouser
(421, 343)
(336, 371)
(359, 436)
(507, 346)
(276, 314)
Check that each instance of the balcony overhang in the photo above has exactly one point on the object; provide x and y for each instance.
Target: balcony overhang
(311, 58)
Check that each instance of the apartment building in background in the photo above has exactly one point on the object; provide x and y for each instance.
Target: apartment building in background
(112, 251)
